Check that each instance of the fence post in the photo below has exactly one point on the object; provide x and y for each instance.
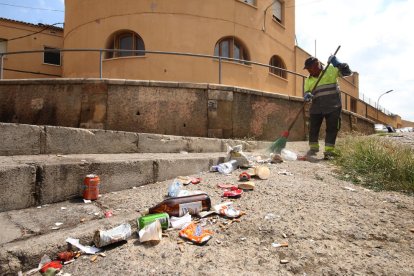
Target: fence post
(219, 70)
(1, 66)
(100, 63)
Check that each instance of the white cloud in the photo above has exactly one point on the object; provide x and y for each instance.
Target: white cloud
(375, 40)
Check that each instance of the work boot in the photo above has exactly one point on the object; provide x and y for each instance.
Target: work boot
(312, 152)
(329, 155)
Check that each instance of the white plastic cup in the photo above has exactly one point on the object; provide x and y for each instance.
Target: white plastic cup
(151, 232)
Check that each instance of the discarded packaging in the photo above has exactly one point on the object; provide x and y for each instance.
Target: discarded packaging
(233, 192)
(276, 158)
(179, 222)
(244, 176)
(83, 248)
(249, 185)
(195, 180)
(151, 232)
(288, 155)
(56, 265)
(188, 193)
(262, 172)
(163, 218)
(174, 188)
(196, 233)
(66, 256)
(236, 153)
(226, 185)
(227, 209)
(119, 233)
(108, 214)
(185, 180)
(91, 187)
(227, 167)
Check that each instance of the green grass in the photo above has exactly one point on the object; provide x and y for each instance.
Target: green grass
(377, 163)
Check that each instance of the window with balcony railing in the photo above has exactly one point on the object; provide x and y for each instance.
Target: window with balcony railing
(277, 61)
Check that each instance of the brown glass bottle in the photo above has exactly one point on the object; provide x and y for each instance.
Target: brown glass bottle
(179, 206)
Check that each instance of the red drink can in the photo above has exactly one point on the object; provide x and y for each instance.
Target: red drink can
(91, 187)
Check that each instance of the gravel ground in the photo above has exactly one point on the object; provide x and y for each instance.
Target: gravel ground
(331, 226)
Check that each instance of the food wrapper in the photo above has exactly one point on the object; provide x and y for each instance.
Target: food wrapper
(196, 233)
(227, 209)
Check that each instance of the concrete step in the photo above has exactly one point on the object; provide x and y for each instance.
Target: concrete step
(21, 139)
(27, 181)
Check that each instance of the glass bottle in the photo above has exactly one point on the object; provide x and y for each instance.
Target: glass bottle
(179, 206)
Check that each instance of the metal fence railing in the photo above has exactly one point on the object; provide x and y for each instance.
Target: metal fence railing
(102, 51)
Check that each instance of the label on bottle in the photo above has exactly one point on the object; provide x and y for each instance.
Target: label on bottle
(191, 207)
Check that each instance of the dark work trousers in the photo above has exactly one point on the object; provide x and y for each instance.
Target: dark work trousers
(333, 124)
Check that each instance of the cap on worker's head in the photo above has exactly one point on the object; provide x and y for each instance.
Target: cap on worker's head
(309, 61)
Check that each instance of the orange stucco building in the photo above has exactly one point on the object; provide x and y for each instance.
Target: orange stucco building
(256, 33)
(18, 36)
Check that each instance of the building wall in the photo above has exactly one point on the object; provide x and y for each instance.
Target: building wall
(189, 26)
(32, 65)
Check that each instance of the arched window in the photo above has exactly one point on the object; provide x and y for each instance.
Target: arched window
(125, 40)
(231, 47)
(276, 61)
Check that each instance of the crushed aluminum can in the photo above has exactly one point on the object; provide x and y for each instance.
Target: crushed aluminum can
(119, 233)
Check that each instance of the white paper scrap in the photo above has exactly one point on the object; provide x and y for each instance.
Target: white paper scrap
(87, 249)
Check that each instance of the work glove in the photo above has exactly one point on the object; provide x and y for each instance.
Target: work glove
(307, 97)
(334, 61)
(344, 69)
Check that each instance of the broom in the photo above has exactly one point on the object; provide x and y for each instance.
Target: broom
(280, 143)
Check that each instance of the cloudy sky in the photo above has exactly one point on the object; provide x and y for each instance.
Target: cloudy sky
(374, 35)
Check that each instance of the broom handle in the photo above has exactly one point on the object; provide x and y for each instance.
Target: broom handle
(316, 84)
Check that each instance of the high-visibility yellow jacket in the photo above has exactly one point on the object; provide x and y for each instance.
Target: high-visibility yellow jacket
(326, 96)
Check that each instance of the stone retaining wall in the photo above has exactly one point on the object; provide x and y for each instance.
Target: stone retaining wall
(183, 109)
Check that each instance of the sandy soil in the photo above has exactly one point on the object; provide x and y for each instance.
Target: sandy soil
(331, 226)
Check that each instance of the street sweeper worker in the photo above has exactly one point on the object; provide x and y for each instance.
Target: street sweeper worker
(326, 102)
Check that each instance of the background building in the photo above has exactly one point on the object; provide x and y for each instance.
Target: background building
(18, 36)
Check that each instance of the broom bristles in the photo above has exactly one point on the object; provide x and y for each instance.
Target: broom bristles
(278, 145)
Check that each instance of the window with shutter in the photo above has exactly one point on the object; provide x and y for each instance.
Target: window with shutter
(277, 11)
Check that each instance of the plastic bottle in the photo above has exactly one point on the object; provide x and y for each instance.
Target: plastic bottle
(174, 188)
(288, 155)
(179, 206)
(227, 167)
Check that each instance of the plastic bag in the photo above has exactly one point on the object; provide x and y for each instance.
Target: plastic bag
(288, 155)
(174, 188)
(236, 153)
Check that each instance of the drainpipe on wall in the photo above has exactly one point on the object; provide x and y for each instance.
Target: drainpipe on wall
(264, 16)
(1, 66)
